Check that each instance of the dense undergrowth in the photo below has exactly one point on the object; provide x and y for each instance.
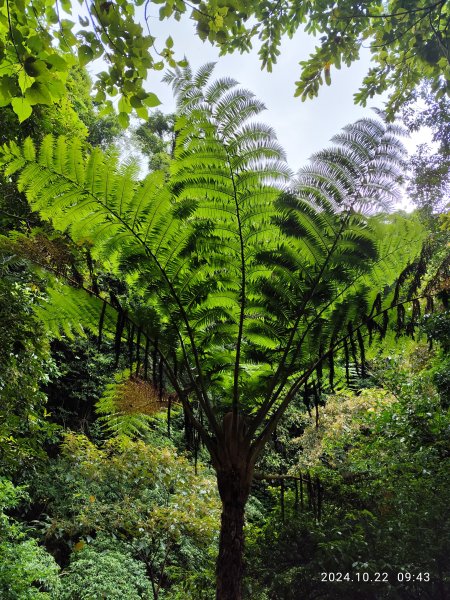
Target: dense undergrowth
(87, 514)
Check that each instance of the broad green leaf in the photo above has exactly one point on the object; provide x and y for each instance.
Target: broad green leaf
(57, 62)
(124, 105)
(22, 108)
(7, 90)
(151, 100)
(25, 81)
(142, 112)
(124, 119)
(85, 54)
(38, 94)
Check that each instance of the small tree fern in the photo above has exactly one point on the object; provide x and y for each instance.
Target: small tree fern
(246, 285)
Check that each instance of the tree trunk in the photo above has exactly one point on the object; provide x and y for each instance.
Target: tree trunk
(234, 478)
(230, 565)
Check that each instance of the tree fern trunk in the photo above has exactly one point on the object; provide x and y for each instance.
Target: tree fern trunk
(234, 478)
(230, 564)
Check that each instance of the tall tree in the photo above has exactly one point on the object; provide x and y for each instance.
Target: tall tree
(156, 139)
(429, 187)
(244, 290)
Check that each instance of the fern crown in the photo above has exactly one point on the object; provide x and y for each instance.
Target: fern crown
(241, 277)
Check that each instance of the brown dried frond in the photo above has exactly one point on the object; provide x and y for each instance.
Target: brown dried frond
(441, 280)
(45, 252)
(139, 396)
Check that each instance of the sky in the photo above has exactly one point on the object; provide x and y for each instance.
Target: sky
(302, 127)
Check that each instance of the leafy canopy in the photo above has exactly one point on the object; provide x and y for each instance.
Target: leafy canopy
(408, 40)
(142, 503)
(40, 41)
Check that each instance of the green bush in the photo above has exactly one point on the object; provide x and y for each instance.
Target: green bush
(104, 570)
(26, 570)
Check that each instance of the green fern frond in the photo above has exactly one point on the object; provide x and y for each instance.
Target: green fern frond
(238, 284)
(362, 171)
(72, 312)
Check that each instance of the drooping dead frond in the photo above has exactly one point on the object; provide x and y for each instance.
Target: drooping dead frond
(129, 404)
(136, 395)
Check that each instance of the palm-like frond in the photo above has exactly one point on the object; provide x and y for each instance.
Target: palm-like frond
(191, 242)
(361, 172)
(241, 286)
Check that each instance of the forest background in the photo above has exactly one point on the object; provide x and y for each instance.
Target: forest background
(108, 470)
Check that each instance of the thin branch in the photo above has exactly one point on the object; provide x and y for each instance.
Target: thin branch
(11, 216)
(399, 36)
(105, 31)
(68, 46)
(196, 9)
(11, 33)
(391, 15)
(161, 573)
(94, 27)
(439, 38)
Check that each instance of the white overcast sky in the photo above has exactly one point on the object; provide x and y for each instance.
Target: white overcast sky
(302, 127)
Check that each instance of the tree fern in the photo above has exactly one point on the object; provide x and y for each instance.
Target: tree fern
(242, 286)
(235, 275)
